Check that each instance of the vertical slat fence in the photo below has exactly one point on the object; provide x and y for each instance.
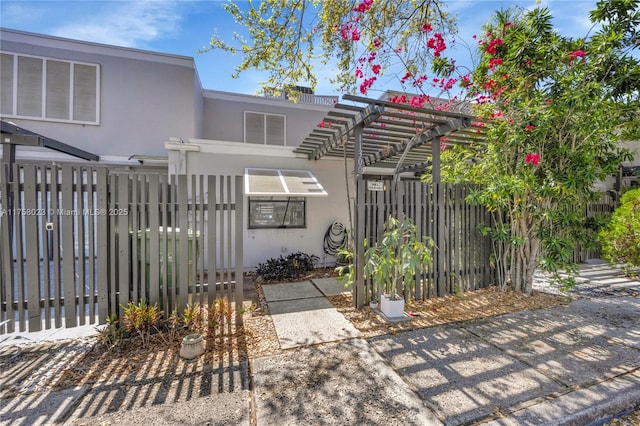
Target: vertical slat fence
(80, 243)
(460, 254)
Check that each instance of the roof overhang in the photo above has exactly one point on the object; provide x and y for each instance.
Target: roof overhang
(281, 182)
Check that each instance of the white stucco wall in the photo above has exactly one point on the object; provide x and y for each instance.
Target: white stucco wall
(321, 212)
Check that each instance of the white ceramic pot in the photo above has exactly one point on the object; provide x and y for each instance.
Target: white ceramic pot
(192, 346)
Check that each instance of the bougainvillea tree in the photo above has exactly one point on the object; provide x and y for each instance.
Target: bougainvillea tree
(556, 109)
(361, 40)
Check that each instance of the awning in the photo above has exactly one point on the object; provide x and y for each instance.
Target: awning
(290, 183)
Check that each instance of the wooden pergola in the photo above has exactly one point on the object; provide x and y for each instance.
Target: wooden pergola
(384, 134)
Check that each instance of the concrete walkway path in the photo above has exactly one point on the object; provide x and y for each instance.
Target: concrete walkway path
(573, 365)
(303, 316)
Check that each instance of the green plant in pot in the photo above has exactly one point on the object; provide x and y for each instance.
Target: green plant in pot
(393, 261)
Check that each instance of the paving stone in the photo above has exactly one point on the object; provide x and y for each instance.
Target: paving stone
(309, 321)
(574, 345)
(290, 291)
(330, 286)
(459, 374)
(335, 384)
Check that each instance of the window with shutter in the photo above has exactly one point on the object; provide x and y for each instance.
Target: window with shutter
(49, 89)
(275, 129)
(6, 84)
(29, 86)
(262, 128)
(57, 105)
(84, 93)
(253, 127)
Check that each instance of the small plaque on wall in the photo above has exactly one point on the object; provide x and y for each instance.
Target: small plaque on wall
(375, 185)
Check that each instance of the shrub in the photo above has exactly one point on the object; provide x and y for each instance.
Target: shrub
(141, 318)
(112, 334)
(203, 319)
(195, 318)
(621, 237)
(286, 268)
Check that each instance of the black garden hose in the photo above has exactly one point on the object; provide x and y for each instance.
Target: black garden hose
(335, 239)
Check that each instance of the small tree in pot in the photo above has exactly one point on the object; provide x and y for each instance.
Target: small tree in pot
(394, 260)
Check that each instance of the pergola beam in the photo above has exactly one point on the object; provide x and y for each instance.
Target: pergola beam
(367, 115)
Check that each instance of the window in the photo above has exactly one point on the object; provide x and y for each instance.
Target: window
(277, 213)
(49, 89)
(264, 129)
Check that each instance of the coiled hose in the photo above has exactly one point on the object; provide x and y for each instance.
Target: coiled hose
(335, 239)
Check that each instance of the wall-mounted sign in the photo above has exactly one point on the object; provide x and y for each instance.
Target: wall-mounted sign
(375, 185)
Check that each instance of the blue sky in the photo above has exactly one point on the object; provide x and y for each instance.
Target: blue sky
(182, 27)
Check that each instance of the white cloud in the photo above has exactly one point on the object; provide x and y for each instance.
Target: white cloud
(128, 24)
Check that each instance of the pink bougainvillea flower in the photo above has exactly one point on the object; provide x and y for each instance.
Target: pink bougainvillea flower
(493, 63)
(493, 45)
(376, 69)
(576, 54)
(426, 28)
(399, 99)
(490, 85)
(532, 159)
(529, 127)
(366, 84)
(419, 81)
(436, 43)
(364, 6)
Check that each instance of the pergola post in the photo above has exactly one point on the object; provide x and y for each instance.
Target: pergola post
(435, 160)
(358, 260)
(8, 160)
(9, 156)
(438, 198)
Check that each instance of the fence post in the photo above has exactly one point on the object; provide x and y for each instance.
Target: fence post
(239, 260)
(183, 269)
(6, 250)
(103, 252)
(358, 287)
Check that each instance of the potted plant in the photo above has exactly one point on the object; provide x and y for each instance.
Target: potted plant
(393, 262)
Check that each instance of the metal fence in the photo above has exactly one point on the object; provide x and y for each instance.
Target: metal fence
(77, 243)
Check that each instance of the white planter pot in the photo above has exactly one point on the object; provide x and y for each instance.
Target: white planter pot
(373, 305)
(391, 308)
(192, 346)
